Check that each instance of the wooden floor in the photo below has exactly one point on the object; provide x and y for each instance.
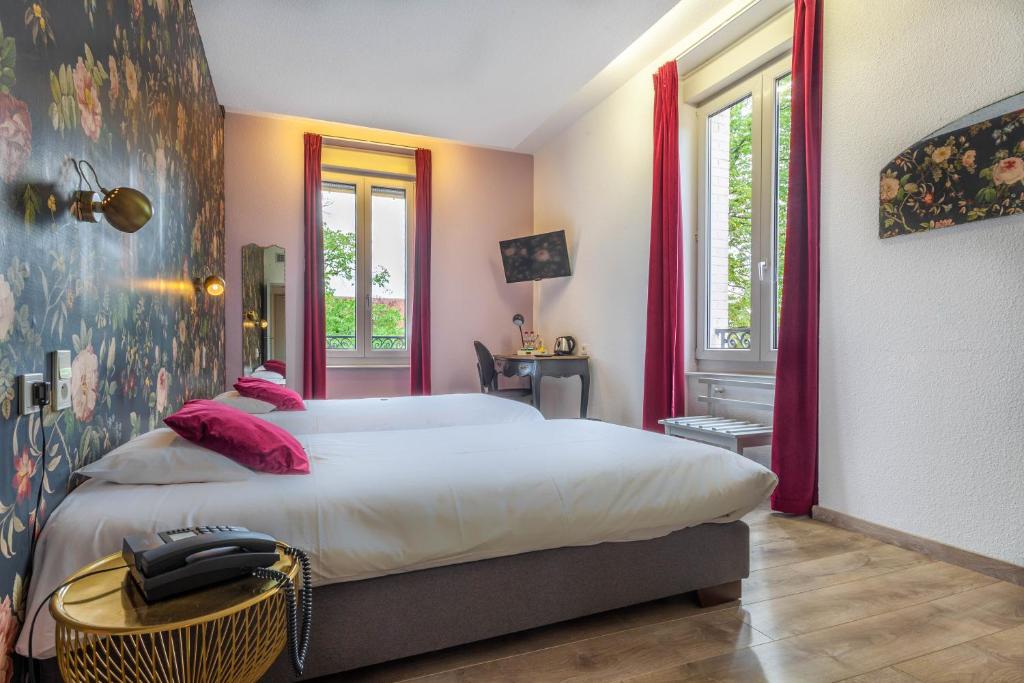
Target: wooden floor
(821, 604)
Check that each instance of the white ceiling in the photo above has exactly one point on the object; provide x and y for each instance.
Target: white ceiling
(486, 72)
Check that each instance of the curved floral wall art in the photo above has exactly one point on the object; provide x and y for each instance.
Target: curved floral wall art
(123, 84)
(967, 175)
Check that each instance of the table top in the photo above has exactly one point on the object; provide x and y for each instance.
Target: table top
(550, 356)
(106, 604)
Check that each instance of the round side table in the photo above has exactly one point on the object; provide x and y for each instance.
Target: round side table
(106, 632)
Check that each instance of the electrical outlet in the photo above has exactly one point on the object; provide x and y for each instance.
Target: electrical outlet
(60, 380)
(584, 350)
(26, 406)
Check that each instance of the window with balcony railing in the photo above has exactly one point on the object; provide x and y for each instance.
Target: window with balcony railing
(367, 227)
(744, 175)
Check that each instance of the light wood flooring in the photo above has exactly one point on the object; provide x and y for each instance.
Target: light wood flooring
(821, 604)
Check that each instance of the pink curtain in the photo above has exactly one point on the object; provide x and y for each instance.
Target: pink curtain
(314, 345)
(795, 433)
(664, 378)
(419, 340)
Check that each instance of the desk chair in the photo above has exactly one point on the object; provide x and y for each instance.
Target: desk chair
(488, 375)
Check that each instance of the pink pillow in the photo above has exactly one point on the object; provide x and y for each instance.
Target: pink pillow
(279, 395)
(244, 438)
(275, 366)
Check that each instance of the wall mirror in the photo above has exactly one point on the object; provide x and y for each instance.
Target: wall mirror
(263, 326)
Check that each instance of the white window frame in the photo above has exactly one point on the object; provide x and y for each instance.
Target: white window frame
(364, 355)
(760, 87)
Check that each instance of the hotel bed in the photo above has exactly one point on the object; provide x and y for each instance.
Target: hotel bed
(404, 412)
(424, 539)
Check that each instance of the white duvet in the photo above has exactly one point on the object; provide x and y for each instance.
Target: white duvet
(403, 412)
(386, 502)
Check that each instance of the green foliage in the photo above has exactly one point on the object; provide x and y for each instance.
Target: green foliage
(340, 259)
(740, 212)
(784, 94)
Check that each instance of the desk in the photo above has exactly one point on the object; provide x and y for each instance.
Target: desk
(538, 367)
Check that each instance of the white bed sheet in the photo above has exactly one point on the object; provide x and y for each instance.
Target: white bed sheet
(403, 412)
(386, 502)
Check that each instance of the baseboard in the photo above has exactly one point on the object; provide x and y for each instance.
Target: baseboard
(997, 569)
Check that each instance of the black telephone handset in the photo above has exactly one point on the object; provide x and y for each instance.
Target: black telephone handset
(168, 563)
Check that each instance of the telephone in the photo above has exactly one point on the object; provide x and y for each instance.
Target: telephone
(167, 563)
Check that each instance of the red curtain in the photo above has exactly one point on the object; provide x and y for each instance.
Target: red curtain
(664, 378)
(314, 345)
(795, 432)
(419, 342)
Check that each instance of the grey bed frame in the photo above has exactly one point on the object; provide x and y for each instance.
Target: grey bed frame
(359, 623)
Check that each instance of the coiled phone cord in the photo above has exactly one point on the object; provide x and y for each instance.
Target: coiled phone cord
(298, 646)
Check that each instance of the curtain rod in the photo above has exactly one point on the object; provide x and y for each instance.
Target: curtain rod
(369, 145)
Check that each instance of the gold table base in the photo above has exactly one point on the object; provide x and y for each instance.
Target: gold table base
(172, 641)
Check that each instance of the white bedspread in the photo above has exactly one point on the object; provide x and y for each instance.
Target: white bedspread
(403, 412)
(386, 502)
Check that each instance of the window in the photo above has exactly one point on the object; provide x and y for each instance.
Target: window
(367, 228)
(744, 175)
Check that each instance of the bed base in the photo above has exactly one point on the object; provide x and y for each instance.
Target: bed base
(359, 623)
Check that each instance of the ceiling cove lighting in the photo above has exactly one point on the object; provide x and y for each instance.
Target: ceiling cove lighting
(124, 208)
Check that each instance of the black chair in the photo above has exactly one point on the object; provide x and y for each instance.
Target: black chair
(488, 375)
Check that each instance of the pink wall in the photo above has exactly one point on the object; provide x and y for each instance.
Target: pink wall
(480, 196)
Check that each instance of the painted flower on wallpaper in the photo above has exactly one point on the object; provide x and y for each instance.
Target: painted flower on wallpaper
(24, 470)
(8, 634)
(38, 19)
(15, 136)
(87, 95)
(115, 79)
(941, 154)
(6, 308)
(1008, 171)
(84, 382)
(131, 79)
(163, 383)
(968, 159)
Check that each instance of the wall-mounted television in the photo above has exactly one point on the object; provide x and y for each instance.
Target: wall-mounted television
(536, 257)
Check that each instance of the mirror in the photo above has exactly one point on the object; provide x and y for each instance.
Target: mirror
(263, 326)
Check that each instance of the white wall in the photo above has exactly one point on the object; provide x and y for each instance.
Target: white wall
(594, 180)
(922, 336)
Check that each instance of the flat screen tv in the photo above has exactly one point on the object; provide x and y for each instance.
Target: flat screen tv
(536, 257)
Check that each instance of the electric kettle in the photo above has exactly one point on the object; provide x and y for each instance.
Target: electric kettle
(564, 346)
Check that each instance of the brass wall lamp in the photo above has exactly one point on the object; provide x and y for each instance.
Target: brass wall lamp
(124, 208)
(213, 285)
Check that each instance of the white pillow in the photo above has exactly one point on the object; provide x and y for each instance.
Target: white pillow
(268, 375)
(253, 406)
(163, 457)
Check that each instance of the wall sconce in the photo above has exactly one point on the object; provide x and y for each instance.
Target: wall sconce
(213, 285)
(124, 208)
(264, 324)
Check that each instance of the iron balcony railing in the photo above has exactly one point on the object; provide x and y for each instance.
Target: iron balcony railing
(733, 337)
(347, 342)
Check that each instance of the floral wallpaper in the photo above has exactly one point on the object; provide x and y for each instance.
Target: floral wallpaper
(123, 84)
(971, 174)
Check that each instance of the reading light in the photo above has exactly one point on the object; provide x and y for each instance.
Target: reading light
(124, 208)
(213, 285)
(518, 320)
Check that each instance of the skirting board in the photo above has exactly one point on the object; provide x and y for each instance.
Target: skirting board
(997, 569)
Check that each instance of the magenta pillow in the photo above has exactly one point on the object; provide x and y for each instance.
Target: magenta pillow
(279, 395)
(244, 438)
(275, 366)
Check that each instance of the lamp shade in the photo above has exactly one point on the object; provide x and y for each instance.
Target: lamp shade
(127, 209)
